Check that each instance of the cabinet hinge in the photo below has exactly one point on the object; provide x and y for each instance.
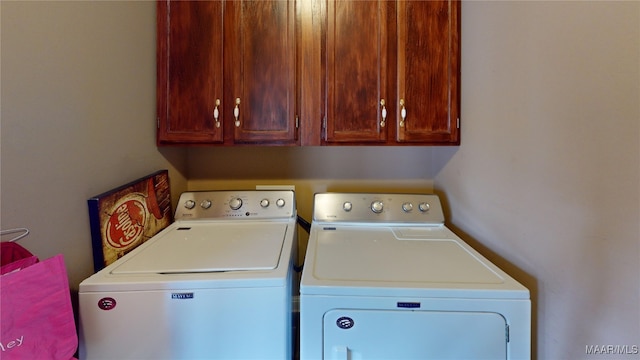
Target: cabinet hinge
(158, 122)
(324, 127)
(297, 122)
(458, 123)
(506, 330)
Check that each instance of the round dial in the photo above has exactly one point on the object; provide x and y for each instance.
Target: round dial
(424, 207)
(235, 203)
(190, 204)
(377, 206)
(280, 202)
(347, 206)
(407, 207)
(205, 204)
(264, 203)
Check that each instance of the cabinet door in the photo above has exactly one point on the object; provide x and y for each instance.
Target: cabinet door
(189, 60)
(428, 71)
(355, 63)
(260, 68)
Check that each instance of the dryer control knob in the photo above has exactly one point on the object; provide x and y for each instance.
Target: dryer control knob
(280, 202)
(407, 207)
(347, 206)
(377, 206)
(235, 203)
(190, 204)
(424, 207)
(264, 203)
(205, 204)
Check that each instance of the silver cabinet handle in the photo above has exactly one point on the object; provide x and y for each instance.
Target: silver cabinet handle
(383, 113)
(236, 112)
(403, 113)
(216, 113)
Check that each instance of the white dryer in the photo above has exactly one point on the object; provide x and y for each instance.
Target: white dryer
(216, 284)
(384, 278)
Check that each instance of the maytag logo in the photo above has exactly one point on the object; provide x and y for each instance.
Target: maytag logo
(182, 296)
(408, 305)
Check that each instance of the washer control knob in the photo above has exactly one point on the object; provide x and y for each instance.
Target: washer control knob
(235, 203)
(377, 206)
(205, 204)
(264, 203)
(407, 207)
(190, 204)
(424, 207)
(280, 202)
(347, 206)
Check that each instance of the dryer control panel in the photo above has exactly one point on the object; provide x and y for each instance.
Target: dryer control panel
(240, 204)
(378, 208)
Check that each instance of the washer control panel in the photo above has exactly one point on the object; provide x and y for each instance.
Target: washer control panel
(371, 207)
(240, 204)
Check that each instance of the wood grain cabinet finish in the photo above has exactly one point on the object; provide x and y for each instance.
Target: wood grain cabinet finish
(355, 69)
(260, 69)
(309, 72)
(190, 71)
(226, 72)
(428, 72)
(391, 72)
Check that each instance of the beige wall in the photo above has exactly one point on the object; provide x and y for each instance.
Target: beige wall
(546, 181)
(77, 109)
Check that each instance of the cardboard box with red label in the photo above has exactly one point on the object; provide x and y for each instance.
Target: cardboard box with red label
(125, 217)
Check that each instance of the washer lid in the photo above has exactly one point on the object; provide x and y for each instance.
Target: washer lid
(210, 247)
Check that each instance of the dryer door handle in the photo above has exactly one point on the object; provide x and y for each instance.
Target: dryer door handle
(340, 352)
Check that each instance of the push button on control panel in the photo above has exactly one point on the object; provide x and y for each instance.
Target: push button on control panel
(377, 206)
(205, 204)
(190, 204)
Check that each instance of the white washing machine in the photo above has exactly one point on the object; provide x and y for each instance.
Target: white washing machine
(384, 278)
(215, 284)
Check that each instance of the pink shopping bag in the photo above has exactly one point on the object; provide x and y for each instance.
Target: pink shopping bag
(11, 252)
(35, 312)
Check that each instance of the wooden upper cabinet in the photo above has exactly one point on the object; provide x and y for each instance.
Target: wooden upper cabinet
(355, 63)
(428, 74)
(227, 72)
(190, 71)
(358, 72)
(399, 59)
(260, 68)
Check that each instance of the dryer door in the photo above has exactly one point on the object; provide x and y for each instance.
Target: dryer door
(390, 334)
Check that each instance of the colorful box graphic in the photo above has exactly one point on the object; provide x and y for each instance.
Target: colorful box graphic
(125, 217)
